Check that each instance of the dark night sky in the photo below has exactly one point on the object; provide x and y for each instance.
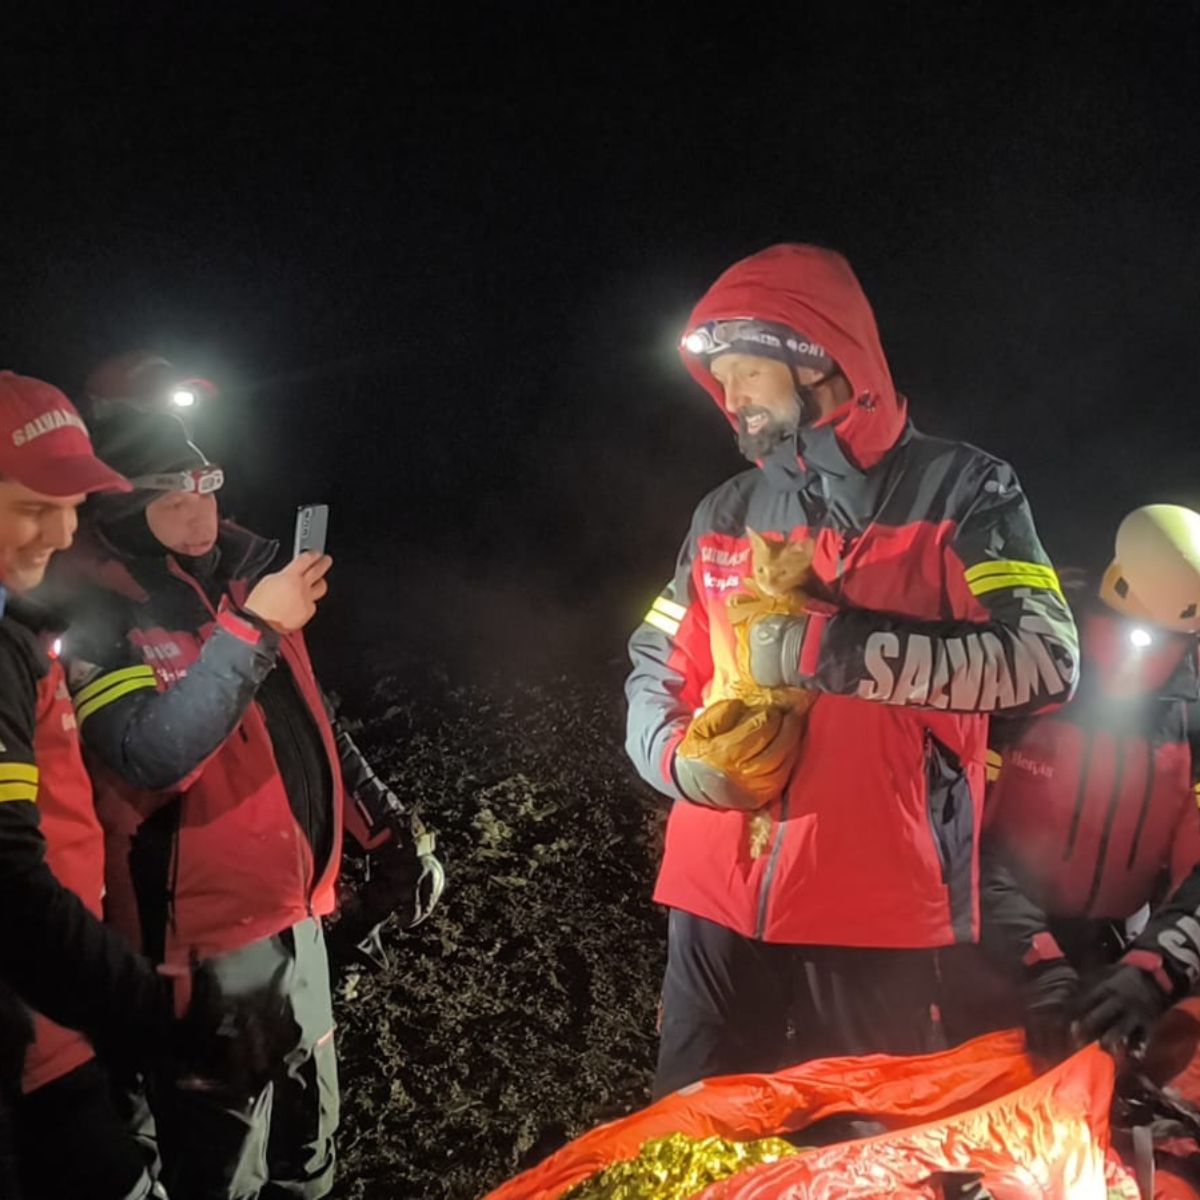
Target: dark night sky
(439, 265)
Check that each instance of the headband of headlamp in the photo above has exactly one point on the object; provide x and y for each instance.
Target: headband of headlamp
(199, 481)
(766, 339)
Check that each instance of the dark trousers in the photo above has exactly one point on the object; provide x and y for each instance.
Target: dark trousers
(73, 1145)
(734, 1005)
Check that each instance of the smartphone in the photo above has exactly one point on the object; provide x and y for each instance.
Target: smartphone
(312, 523)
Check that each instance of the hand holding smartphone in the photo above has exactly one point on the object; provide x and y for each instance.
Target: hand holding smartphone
(288, 599)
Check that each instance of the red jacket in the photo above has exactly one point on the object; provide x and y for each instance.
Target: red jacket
(74, 853)
(941, 608)
(205, 851)
(54, 954)
(1092, 813)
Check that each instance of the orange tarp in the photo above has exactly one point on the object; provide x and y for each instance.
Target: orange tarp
(976, 1108)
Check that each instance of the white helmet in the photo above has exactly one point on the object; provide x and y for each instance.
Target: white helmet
(1155, 576)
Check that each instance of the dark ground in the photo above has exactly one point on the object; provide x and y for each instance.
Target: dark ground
(523, 1012)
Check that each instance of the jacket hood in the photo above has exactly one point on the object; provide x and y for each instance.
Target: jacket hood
(814, 292)
(94, 561)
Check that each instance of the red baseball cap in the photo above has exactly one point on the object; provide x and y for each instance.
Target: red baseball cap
(44, 443)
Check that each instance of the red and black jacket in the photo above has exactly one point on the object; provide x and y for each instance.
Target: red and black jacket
(941, 608)
(54, 951)
(208, 849)
(1092, 813)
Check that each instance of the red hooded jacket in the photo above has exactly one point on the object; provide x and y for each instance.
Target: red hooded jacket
(942, 608)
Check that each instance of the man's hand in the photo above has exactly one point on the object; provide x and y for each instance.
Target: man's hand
(403, 876)
(735, 756)
(1049, 997)
(1121, 1007)
(287, 600)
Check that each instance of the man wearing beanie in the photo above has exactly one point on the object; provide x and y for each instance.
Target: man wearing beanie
(54, 951)
(819, 853)
(219, 782)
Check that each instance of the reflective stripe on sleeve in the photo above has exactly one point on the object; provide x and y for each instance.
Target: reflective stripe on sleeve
(107, 680)
(115, 685)
(666, 615)
(665, 624)
(18, 791)
(991, 576)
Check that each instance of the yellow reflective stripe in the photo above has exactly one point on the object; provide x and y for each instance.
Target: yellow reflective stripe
(992, 566)
(995, 583)
(10, 772)
(18, 791)
(114, 693)
(669, 627)
(987, 570)
(989, 583)
(669, 608)
(992, 575)
(991, 766)
(141, 671)
(996, 567)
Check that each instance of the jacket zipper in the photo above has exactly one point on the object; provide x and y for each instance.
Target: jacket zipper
(1109, 818)
(939, 844)
(764, 891)
(927, 763)
(308, 874)
(173, 884)
(1147, 795)
(1081, 793)
(843, 555)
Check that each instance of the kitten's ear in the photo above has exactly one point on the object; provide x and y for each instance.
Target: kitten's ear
(758, 543)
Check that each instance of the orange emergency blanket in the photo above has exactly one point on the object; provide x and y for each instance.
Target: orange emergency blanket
(977, 1108)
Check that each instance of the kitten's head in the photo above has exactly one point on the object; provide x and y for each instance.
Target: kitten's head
(779, 567)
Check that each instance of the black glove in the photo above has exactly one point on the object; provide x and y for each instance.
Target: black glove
(403, 876)
(1049, 998)
(415, 871)
(1122, 1006)
(230, 1046)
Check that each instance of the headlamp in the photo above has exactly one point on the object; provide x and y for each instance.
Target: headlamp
(183, 398)
(1140, 638)
(748, 335)
(199, 481)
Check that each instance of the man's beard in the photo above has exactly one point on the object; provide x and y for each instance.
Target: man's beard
(768, 435)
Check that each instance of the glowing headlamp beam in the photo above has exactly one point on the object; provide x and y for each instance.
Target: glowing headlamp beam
(183, 398)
